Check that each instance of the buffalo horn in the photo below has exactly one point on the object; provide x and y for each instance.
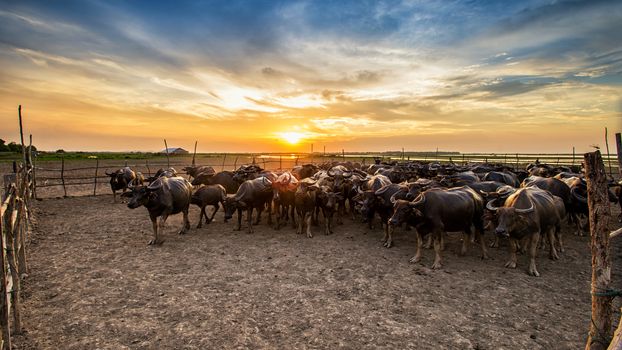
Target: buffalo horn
(420, 200)
(392, 199)
(577, 196)
(489, 205)
(153, 187)
(524, 211)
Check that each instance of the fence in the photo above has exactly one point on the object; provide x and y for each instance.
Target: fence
(87, 177)
(14, 226)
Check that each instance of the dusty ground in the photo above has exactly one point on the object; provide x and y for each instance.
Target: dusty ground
(94, 284)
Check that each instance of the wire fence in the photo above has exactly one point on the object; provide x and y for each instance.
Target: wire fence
(88, 176)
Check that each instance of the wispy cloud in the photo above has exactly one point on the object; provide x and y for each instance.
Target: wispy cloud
(344, 71)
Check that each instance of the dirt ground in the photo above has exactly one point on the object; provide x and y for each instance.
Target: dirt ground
(95, 284)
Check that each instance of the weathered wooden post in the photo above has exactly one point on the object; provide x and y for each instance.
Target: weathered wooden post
(224, 157)
(4, 305)
(343, 155)
(168, 161)
(194, 154)
(599, 215)
(608, 156)
(34, 170)
(148, 170)
(619, 149)
(21, 133)
(95, 178)
(62, 174)
(11, 259)
(280, 162)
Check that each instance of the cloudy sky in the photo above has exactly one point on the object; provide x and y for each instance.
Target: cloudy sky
(472, 76)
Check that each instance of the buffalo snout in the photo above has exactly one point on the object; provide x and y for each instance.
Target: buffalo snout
(501, 232)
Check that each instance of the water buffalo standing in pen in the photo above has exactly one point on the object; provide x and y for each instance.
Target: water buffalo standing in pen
(163, 197)
(436, 211)
(120, 180)
(527, 215)
(214, 195)
(252, 194)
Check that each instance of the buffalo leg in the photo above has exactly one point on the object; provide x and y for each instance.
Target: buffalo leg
(465, 242)
(388, 235)
(250, 218)
(479, 235)
(300, 223)
(513, 247)
(186, 223)
(438, 237)
(308, 222)
(259, 211)
(533, 250)
(552, 251)
(269, 204)
(154, 224)
(216, 207)
(417, 257)
(201, 214)
(239, 219)
(114, 196)
(558, 236)
(293, 215)
(495, 242)
(428, 243)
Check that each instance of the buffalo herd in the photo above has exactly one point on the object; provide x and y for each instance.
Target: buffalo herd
(525, 206)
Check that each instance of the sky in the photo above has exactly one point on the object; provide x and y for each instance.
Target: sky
(278, 76)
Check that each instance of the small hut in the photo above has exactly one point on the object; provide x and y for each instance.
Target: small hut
(174, 151)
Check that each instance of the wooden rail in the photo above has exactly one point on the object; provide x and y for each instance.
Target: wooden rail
(14, 227)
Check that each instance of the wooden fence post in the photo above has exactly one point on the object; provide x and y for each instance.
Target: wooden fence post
(224, 158)
(168, 161)
(10, 255)
(608, 156)
(619, 149)
(194, 154)
(95, 180)
(280, 162)
(4, 306)
(21, 133)
(235, 163)
(62, 174)
(148, 170)
(599, 215)
(34, 171)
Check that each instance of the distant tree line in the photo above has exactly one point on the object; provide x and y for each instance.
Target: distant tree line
(12, 147)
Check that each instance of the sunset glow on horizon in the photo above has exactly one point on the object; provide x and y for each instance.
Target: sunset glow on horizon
(277, 76)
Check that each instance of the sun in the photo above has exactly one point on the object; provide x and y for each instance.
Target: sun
(291, 137)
